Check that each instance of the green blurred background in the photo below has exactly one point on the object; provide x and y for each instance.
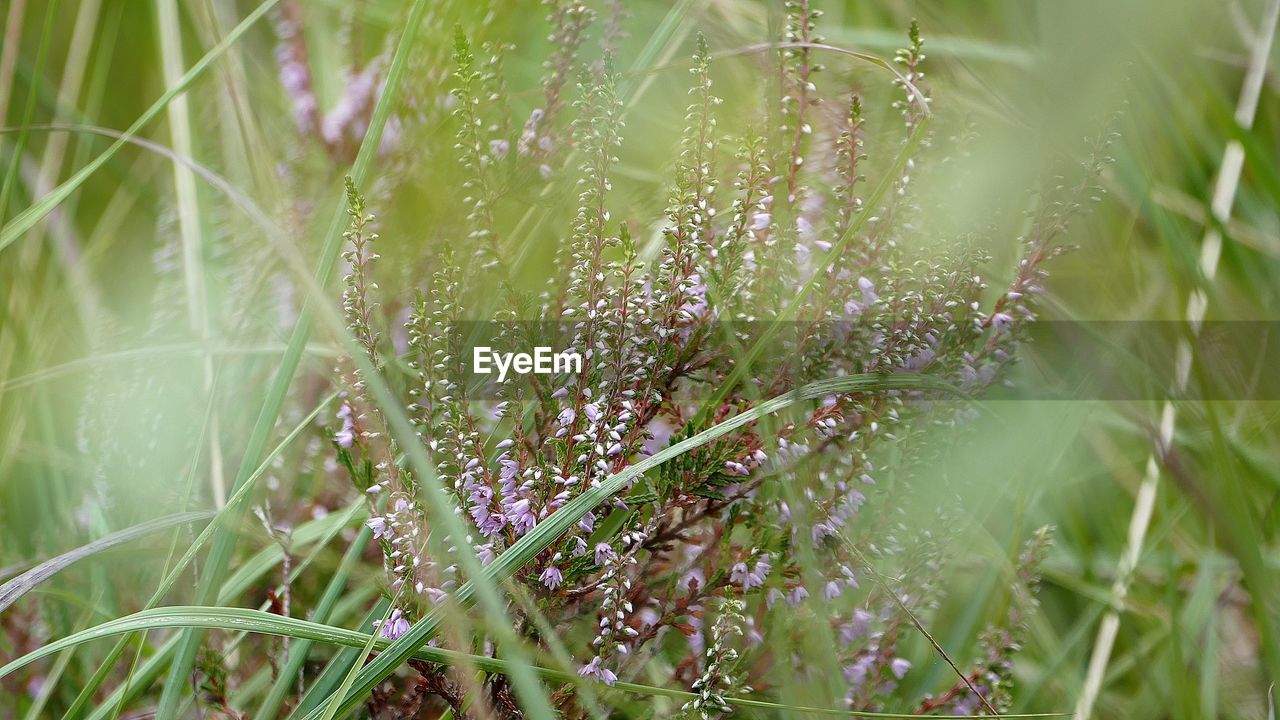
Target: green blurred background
(115, 373)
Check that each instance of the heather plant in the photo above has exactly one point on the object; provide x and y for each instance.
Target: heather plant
(688, 566)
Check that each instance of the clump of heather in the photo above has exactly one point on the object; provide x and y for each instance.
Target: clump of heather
(781, 259)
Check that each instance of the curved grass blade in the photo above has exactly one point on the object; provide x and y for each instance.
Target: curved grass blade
(314, 531)
(856, 54)
(545, 534)
(258, 621)
(24, 583)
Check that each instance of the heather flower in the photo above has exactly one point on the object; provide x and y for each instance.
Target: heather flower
(603, 553)
(750, 578)
(857, 671)
(832, 590)
(597, 670)
(694, 577)
(858, 627)
(345, 436)
(551, 577)
(521, 516)
(394, 626)
(381, 529)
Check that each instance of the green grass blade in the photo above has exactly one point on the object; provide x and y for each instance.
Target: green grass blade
(647, 60)
(335, 702)
(189, 223)
(27, 581)
(338, 666)
(11, 175)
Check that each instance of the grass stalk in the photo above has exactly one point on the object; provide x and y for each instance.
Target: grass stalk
(1224, 193)
(189, 222)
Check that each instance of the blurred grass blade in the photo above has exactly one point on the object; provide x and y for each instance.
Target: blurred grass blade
(224, 544)
(188, 556)
(27, 581)
(644, 63)
(42, 207)
(190, 225)
(13, 21)
(548, 531)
